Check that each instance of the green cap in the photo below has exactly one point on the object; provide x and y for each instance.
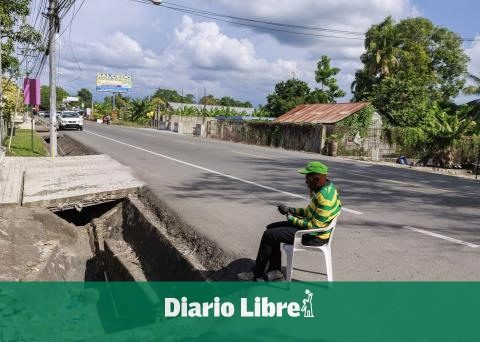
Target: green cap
(314, 167)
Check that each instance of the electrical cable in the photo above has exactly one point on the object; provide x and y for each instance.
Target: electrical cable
(219, 16)
(311, 28)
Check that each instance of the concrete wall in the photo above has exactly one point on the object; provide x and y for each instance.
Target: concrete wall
(289, 136)
(183, 124)
(303, 137)
(372, 145)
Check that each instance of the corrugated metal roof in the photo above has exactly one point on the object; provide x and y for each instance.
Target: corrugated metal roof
(321, 113)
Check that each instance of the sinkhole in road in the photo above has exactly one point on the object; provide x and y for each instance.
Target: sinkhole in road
(129, 242)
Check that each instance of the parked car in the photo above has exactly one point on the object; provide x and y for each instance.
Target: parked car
(69, 119)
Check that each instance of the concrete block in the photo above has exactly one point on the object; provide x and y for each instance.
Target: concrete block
(11, 180)
(67, 182)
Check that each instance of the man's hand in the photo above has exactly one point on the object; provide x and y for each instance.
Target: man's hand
(283, 209)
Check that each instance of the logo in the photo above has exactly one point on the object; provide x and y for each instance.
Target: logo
(259, 307)
(307, 307)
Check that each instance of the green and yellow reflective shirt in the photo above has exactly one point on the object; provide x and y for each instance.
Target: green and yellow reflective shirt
(323, 208)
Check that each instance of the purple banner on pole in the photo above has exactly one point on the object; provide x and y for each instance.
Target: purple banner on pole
(31, 91)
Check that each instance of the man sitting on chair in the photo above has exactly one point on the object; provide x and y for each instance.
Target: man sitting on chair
(323, 208)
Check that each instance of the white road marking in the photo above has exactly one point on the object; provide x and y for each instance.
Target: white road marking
(215, 172)
(351, 211)
(251, 155)
(469, 244)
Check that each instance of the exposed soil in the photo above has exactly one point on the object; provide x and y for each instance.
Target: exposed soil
(67, 146)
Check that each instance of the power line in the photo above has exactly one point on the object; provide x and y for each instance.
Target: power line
(63, 7)
(73, 17)
(273, 23)
(236, 20)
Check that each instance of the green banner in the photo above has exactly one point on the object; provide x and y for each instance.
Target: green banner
(351, 311)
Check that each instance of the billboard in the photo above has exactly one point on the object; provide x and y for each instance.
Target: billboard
(114, 83)
(71, 99)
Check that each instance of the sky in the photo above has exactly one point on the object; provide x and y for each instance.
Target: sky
(162, 48)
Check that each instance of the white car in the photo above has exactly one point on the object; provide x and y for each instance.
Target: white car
(70, 119)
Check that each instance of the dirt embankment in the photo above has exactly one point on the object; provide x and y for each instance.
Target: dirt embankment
(67, 146)
(35, 244)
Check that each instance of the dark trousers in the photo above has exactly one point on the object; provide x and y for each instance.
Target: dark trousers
(269, 253)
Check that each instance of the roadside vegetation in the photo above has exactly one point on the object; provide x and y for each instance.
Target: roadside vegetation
(22, 146)
(412, 72)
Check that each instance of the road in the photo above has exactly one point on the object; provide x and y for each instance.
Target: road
(397, 224)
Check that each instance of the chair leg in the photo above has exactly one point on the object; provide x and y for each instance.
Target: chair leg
(289, 270)
(328, 263)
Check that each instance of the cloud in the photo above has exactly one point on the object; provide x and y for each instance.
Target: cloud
(198, 55)
(342, 15)
(202, 51)
(474, 53)
(204, 47)
(116, 51)
(159, 48)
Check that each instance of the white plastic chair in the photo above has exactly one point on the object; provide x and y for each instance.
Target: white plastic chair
(298, 247)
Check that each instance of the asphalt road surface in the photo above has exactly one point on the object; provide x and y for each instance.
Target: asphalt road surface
(397, 223)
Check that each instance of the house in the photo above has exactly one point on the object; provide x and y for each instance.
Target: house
(329, 116)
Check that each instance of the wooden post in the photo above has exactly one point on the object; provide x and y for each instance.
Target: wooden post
(478, 163)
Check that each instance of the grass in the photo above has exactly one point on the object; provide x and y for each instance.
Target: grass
(129, 124)
(21, 145)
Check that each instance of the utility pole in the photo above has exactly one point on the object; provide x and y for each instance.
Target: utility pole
(53, 30)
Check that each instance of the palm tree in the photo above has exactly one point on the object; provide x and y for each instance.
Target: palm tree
(381, 41)
(473, 89)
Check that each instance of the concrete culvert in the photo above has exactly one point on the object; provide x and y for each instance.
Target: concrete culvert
(130, 243)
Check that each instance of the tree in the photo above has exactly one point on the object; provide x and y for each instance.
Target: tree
(168, 95)
(231, 102)
(209, 100)
(85, 96)
(444, 131)
(139, 109)
(287, 95)
(227, 101)
(189, 98)
(409, 67)
(121, 101)
(473, 89)
(11, 27)
(325, 76)
(12, 100)
(45, 96)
